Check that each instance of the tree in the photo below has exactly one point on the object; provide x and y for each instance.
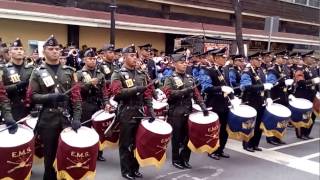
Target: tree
(238, 25)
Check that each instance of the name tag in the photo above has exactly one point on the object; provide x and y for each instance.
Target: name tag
(178, 82)
(48, 81)
(106, 69)
(129, 83)
(87, 77)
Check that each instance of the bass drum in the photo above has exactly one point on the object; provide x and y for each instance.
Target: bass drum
(77, 154)
(301, 110)
(316, 105)
(151, 142)
(241, 122)
(275, 120)
(203, 132)
(17, 152)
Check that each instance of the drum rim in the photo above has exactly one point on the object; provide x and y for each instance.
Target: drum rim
(92, 141)
(201, 113)
(94, 116)
(20, 126)
(279, 105)
(233, 110)
(302, 100)
(145, 121)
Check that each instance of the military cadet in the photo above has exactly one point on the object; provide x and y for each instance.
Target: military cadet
(6, 109)
(215, 83)
(235, 71)
(15, 77)
(94, 91)
(267, 58)
(131, 91)
(253, 84)
(277, 75)
(108, 65)
(4, 53)
(306, 89)
(54, 86)
(145, 56)
(117, 56)
(180, 88)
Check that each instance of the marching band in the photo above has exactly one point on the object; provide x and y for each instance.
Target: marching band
(84, 102)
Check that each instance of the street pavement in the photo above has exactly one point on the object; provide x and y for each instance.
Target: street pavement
(294, 161)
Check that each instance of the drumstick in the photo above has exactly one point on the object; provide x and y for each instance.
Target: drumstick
(110, 126)
(8, 127)
(91, 118)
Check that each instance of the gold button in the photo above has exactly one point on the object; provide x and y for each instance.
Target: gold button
(56, 77)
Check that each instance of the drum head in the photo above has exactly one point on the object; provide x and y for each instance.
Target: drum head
(198, 118)
(301, 103)
(102, 115)
(279, 110)
(158, 126)
(244, 111)
(23, 135)
(84, 137)
(159, 105)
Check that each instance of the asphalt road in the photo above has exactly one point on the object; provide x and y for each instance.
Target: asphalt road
(294, 161)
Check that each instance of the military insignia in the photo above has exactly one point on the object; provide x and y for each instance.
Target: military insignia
(126, 76)
(262, 93)
(48, 81)
(15, 78)
(87, 77)
(106, 69)
(129, 83)
(221, 78)
(178, 81)
(12, 71)
(285, 89)
(50, 42)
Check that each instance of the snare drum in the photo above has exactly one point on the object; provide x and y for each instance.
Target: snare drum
(316, 105)
(275, 120)
(151, 142)
(241, 122)
(203, 132)
(16, 153)
(301, 110)
(77, 154)
(100, 122)
(159, 107)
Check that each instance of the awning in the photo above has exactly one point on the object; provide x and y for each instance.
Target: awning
(82, 17)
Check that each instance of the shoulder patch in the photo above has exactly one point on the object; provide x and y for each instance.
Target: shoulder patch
(68, 67)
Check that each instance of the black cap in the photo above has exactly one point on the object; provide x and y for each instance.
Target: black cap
(108, 47)
(178, 57)
(236, 57)
(282, 53)
(219, 52)
(129, 49)
(118, 50)
(308, 54)
(51, 41)
(89, 53)
(146, 47)
(64, 53)
(16, 43)
(3, 45)
(266, 53)
(154, 50)
(180, 51)
(256, 55)
(295, 55)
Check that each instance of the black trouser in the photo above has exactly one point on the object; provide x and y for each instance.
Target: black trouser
(223, 134)
(88, 109)
(128, 129)
(255, 140)
(49, 137)
(180, 137)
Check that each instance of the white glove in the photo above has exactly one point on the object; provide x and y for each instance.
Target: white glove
(318, 95)
(269, 101)
(235, 102)
(291, 97)
(289, 82)
(316, 80)
(267, 86)
(227, 89)
(248, 65)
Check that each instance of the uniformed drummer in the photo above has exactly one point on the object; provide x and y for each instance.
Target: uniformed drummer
(94, 91)
(253, 85)
(235, 71)
(145, 56)
(54, 86)
(180, 88)
(15, 77)
(132, 91)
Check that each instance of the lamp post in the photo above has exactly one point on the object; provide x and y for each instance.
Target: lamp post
(112, 7)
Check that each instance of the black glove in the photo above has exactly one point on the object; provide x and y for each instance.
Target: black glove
(152, 115)
(141, 89)
(57, 97)
(204, 110)
(22, 85)
(13, 126)
(186, 91)
(75, 125)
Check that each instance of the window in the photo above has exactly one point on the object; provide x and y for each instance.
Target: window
(310, 3)
(303, 2)
(314, 3)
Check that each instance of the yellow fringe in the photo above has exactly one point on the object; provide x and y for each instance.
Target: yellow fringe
(316, 113)
(271, 133)
(239, 135)
(26, 178)
(64, 175)
(151, 161)
(204, 148)
(302, 124)
(108, 144)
